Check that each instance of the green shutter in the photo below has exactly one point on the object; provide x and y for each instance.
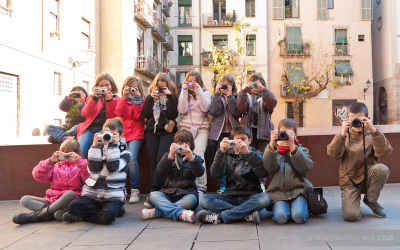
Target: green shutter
(295, 73)
(185, 2)
(343, 68)
(251, 37)
(184, 38)
(341, 36)
(220, 38)
(293, 37)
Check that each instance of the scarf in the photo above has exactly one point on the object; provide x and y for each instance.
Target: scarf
(284, 149)
(159, 104)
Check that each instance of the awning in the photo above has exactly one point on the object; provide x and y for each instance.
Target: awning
(343, 68)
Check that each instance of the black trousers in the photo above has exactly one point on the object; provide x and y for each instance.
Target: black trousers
(100, 212)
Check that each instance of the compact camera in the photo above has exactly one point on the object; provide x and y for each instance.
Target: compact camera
(132, 90)
(102, 90)
(64, 156)
(254, 85)
(283, 136)
(76, 95)
(232, 144)
(181, 149)
(189, 84)
(356, 123)
(107, 136)
(224, 86)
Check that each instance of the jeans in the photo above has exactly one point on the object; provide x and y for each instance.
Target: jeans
(100, 212)
(86, 140)
(222, 181)
(297, 210)
(233, 208)
(168, 206)
(134, 147)
(157, 144)
(58, 132)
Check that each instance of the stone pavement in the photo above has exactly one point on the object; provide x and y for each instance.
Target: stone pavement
(130, 232)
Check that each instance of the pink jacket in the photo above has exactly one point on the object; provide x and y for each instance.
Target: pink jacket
(198, 108)
(92, 108)
(63, 176)
(131, 118)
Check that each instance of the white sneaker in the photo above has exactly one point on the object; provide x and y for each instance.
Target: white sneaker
(254, 217)
(148, 214)
(187, 215)
(135, 196)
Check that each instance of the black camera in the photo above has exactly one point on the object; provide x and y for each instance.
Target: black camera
(224, 86)
(283, 136)
(254, 117)
(356, 123)
(160, 90)
(76, 95)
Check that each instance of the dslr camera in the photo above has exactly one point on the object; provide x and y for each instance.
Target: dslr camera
(232, 144)
(132, 90)
(102, 90)
(107, 136)
(283, 136)
(76, 95)
(224, 86)
(356, 123)
(181, 149)
(64, 156)
(254, 85)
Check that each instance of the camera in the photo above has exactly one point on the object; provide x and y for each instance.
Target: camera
(132, 90)
(181, 149)
(64, 156)
(224, 86)
(189, 84)
(107, 136)
(232, 144)
(76, 95)
(254, 85)
(160, 90)
(254, 117)
(356, 123)
(102, 90)
(283, 136)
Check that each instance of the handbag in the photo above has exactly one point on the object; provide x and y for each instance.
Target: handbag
(316, 202)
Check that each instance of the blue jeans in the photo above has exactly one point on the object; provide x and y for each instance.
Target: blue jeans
(168, 207)
(222, 180)
(86, 140)
(297, 210)
(58, 132)
(233, 208)
(134, 147)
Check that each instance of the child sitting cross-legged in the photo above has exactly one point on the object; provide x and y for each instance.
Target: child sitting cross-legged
(179, 196)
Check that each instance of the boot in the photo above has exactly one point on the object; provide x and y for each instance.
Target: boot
(37, 216)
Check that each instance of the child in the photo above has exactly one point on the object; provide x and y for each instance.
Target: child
(72, 106)
(243, 197)
(348, 147)
(97, 109)
(286, 160)
(160, 111)
(225, 113)
(179, 197)
(66, 178)
(129, 108)
(103, 194)
(194, 103)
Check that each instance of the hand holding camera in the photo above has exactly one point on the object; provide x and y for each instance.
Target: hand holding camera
(107, 136)
(241, 147)
(226, 89)
(155, 94)
(225, 145)
(55, 157)
(274, 139)
(164, 90)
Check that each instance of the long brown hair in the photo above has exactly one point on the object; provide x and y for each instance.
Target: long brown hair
(229, 78)
(132, 79)
(198, 80)
(108, 77)
(163, 77)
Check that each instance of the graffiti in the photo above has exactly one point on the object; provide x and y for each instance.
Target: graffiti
(339, 111)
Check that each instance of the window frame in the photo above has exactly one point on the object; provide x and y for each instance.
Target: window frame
(322, 11)
(252, 5)
(248, 39)
(56, 15)
(87, 36)
(276, 9)
(187, 20)
(368, 13)
(59, 84)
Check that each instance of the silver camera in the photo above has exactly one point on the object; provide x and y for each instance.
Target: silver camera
(102, 90)
(181, 149)
(132, 90)
(107, 136)
(190, 85)
(64, 156)
(232, 144)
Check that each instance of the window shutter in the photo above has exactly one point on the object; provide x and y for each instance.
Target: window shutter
(295, 8)
(278, 9)
(341, 36)
(366, 10)
(322, 10)
(293, 38)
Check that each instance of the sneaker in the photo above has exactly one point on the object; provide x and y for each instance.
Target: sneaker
(148, 214)
(377, 209)
(71, 218)
(221, 190)
(135, 196)
(205, 216)
(187, 215)
(254, 217)
(51, 140)
(147, 202)
(121, 211)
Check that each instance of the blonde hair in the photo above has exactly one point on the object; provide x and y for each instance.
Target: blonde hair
(163, 77)
(108, 77)
(132, 79)
(70, 145)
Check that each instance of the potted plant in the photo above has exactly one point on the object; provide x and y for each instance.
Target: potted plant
(170, 3)
(287, 12)
(55, 33)
(167, 28)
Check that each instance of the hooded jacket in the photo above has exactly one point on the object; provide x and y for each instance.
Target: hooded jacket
(131, 119)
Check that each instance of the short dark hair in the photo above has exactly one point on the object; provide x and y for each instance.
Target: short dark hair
(184, 136)
(79, 88)
(241, 130)
(114, 123)
(357, 107)
(289, 123)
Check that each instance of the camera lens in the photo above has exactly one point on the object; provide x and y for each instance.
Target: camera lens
(107, 137)
(283, 136)
(356, 123)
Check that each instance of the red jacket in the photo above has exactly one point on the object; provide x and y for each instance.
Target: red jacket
(92, 108)
(131, 118)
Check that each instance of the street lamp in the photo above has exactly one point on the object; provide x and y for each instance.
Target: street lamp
(90, 54)
(368, 84)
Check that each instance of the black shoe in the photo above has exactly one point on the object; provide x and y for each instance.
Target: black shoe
(147, 203)
(67, 217)
(205, 216)
(37, 216)
(121, 211)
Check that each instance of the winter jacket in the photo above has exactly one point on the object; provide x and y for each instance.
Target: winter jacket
(265, 125)
(217, 111)
(194, 112)
(166, 115)
(108, 167)
(73, 116)
(92, 108)
(242, 172)
(286, 184)
(63, 176)
(351, 154)
(131, 118)
(182, 180)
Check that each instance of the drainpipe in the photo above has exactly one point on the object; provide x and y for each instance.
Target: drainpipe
(201, 68)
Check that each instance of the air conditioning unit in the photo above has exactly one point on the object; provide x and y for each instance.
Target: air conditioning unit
(284, 90)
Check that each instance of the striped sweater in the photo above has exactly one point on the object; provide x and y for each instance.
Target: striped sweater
(108, 167)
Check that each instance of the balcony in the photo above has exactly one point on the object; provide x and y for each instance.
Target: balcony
(185, 21)
(206, 58)
(185, 60)
(212, 20)
(144, 14)
(158, 32)
(341, 50)
(148, 66)
(166, 8)
(169, 44)
(294, 50)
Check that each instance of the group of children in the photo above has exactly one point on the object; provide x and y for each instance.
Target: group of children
(237, 127)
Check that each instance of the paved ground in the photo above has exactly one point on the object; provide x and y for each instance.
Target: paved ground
(130, 232)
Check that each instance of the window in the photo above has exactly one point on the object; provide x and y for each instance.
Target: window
(322, 10)
(86, 85)
(289, 112)
(140, 41)
(343, 73)
(341, 42)
(293, 39)
(278, 8)
(185, 53)
(295, 75)
(57, 122)
(57, 84)
(250, 8)
(185, 13)
(180, 77)
(366, 10)
(220, 41)
(155, 50)
(54, 15)
(165, 60)
(292, 9)
(330, 4)
(5, 3)
(85, 34)
(250, 45)
(219, 10)
(361, 38)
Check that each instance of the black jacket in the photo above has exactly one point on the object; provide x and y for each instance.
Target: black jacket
(242, 173)
(180, 181)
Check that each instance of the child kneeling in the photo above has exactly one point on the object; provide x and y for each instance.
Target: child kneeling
(289, 164)
(103, 194)
(179, 196)
(243, 197)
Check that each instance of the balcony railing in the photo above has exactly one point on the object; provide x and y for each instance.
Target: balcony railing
(169, 44)
(147, 66)
(144, 14)
(185, 21)
(166, 8)
(214, 20)
(158, 32)
(294, 50)
(185, 60)
(341, 50)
